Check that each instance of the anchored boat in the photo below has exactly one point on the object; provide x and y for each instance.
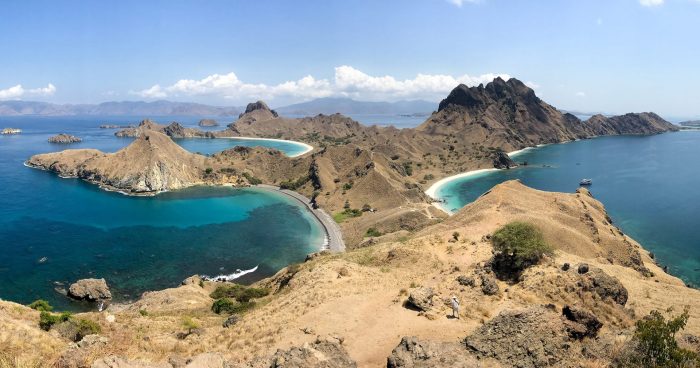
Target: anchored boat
(586, 182)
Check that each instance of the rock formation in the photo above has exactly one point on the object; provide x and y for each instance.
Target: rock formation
(151, 164)
(90, 290)
(64, 138)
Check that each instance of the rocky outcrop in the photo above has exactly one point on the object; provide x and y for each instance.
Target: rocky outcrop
(64, 138)
(90, 290)
(259, 110)
(501, 160)
(421, 298)
(208, 123)
(634, 123)
(323, 353)
(531, 338)
(606, 286)
(583, 322)
(414, 353)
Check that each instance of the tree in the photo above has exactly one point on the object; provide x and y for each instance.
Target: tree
(518, 245)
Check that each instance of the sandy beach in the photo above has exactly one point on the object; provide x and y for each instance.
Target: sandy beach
(307, 148)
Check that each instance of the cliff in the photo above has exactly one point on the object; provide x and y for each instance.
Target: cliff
(357, 307)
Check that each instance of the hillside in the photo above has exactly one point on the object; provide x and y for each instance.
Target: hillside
(345, 309)
(387, 169)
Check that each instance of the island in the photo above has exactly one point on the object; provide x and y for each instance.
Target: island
(64, 139)
(208, 123)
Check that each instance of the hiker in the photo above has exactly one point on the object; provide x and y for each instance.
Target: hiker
(455, 307)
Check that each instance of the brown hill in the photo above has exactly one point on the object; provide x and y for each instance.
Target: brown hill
(356, 301)
(152, 163)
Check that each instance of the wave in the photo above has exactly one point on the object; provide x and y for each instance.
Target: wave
(230, 277)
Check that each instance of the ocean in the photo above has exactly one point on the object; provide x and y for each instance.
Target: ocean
(648, 184)
(54, 231)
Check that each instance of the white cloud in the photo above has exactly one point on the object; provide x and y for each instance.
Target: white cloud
(651, 2)
(580, 94)
(17, 92)
(347, 82)
(532, 84)
(459, 3)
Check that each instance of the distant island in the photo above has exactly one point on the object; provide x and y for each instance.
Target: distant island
(10, 131)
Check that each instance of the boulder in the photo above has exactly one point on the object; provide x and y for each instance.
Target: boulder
(90, 290)
(489, 286)
(323, 353)
(583, 268)
(466, 280)
(231, 320)
(532, 338)
(584, 323)
(501, 160)
(414, 353)
(606, 286)
(421, 298)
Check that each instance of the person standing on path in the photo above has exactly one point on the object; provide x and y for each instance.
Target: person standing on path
(455, 307)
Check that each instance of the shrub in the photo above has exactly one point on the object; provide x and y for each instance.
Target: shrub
(88, 327)
(41, 305)
(455, 235)
(189, 324)
(518, 246)
(239, 292)
(251, 179)
(373, 232)
(47, 319)
(654, 343)
(366, 207)
(347, 186)
(227, 305)
(208, 170)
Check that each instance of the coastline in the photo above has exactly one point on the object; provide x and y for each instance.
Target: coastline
(307, 147)
(434, 188)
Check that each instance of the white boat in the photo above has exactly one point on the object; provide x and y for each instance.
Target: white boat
(586, 182)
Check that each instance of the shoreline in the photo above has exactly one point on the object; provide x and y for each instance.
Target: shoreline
(307, 147)
(434, 188)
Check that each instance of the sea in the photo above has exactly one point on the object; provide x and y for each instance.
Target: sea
(54, 231)
(650, 186)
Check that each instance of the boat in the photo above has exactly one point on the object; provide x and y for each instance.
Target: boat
(8, 131)
(586, 182)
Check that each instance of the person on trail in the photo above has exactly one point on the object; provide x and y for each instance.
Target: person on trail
(455, 307)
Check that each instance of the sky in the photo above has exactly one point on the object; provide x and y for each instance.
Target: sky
(611, 56)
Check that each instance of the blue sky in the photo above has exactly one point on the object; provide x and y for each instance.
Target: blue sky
(609, 55)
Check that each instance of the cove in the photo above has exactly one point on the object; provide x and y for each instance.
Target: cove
(54, 231)
(648, 184)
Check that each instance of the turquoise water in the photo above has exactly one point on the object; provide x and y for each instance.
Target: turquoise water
(649, 185)
(136, 243)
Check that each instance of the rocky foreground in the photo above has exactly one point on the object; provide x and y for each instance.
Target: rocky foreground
(387, 304)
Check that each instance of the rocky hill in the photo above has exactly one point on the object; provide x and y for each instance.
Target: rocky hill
(388, 304)
(151, 164)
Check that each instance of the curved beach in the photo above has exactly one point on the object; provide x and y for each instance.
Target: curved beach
(307, 148)
(432, 191)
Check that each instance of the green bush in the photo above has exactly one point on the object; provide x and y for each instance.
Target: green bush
(208, 170)
(47, 319)
(373, 232)
(654, 344)
(228, 305)
(189, 324)
(239, 292)
(88, 327)
(518, 246)
(41, 305)
(251, 179)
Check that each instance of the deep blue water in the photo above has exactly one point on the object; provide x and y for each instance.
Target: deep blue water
(136, 243)
(649, 185)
